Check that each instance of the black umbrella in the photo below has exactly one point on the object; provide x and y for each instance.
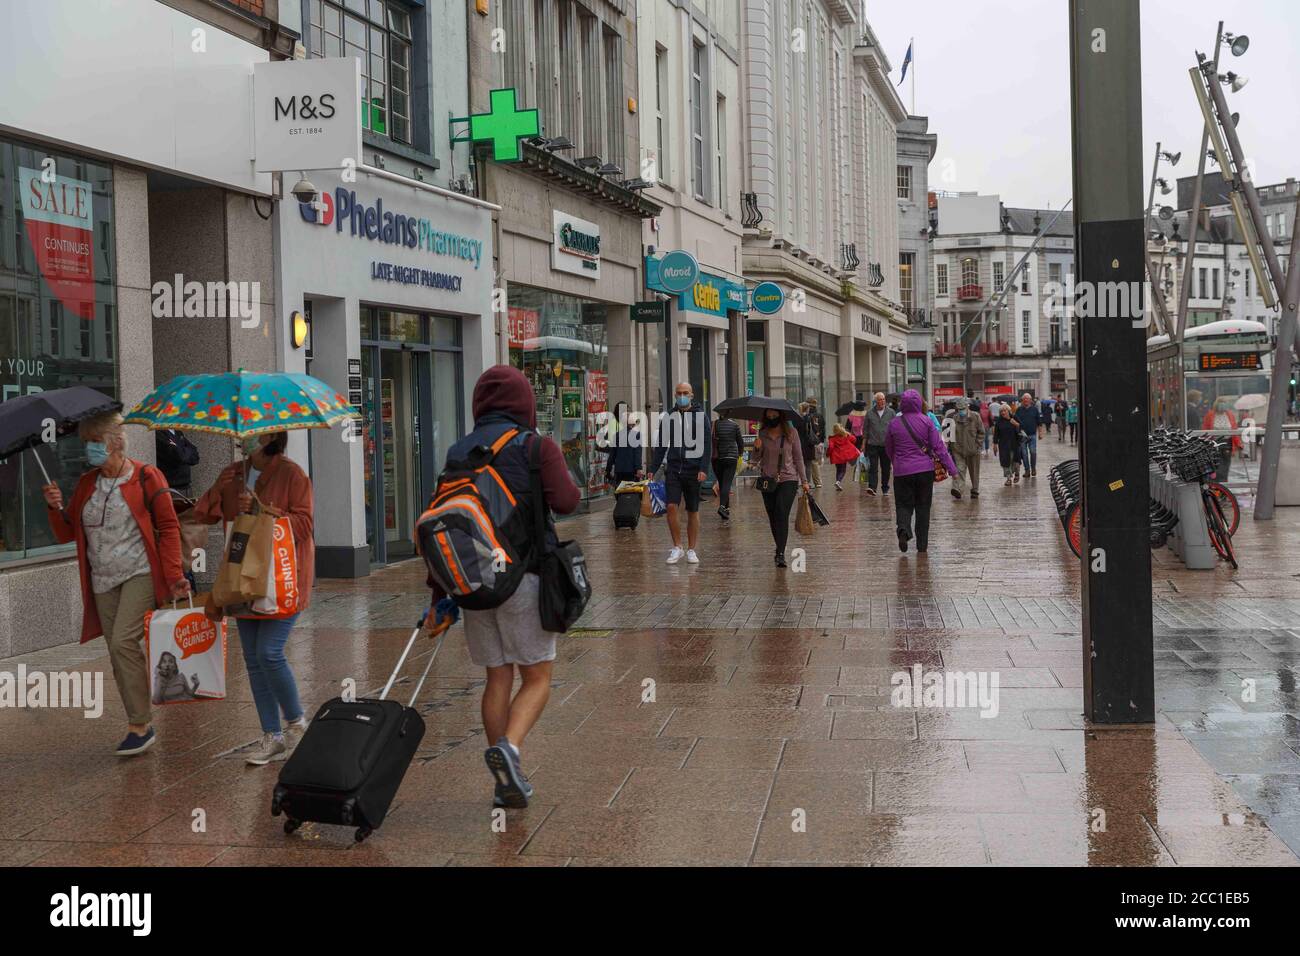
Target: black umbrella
(851, 407)
(754, 407)
(24, 420)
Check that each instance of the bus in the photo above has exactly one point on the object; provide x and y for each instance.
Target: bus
(1229, 359)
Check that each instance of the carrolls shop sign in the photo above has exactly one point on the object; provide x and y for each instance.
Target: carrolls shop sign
(576, 246)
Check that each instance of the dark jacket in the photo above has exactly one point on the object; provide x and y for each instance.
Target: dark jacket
(727, 439)
(624, 461)
(807, 443)
(1006, 435)
(816, 427)
(176, 455)
(877, 425)
(1029, 417)
(684, 438)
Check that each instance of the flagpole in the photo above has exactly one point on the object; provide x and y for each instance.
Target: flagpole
(913, 45)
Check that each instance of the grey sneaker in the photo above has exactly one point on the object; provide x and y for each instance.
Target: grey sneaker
(293, 732)
(512, 787)
(271, 748)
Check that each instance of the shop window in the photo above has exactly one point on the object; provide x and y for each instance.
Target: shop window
(378, 34)
(57, 317)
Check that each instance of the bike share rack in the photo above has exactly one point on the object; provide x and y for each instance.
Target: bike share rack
(1190, 539)
(1168, 514)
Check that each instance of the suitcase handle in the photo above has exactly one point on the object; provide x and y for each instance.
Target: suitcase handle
(405, 653)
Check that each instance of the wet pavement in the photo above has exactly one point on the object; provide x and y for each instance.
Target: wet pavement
(735, 714)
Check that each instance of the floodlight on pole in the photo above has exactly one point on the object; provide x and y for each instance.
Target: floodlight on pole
(1171, 158)
(1237, 44)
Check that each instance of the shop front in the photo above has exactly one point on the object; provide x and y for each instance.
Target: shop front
(559, 343)
(58, 316)
(394, 278)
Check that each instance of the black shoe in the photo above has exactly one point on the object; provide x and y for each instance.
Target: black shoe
(780, 559)
(956, 494)
(974, 494)
(903, 538)
(724, 514)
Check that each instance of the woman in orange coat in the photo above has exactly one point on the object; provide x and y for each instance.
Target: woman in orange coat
(280, 485)
(1220, 418)
(129, 556)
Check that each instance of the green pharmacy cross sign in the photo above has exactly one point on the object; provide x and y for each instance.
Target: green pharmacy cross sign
(504, 125)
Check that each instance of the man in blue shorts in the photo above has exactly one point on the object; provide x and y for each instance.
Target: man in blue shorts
(683, 450)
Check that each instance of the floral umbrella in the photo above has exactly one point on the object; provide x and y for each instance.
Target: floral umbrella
(240, 404)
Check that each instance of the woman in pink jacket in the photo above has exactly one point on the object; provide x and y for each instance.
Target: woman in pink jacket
(914, 444)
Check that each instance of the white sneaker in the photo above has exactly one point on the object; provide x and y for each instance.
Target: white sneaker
(272, 748)
(839, 486)
(293, 732)
(675, 555)
(692, 557)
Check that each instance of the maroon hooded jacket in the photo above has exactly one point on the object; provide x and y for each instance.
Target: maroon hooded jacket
(503, 390)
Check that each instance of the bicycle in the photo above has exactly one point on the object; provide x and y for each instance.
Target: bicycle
(1195, 458)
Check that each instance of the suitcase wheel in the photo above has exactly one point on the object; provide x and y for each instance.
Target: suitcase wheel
(362, 833)
(291, 825)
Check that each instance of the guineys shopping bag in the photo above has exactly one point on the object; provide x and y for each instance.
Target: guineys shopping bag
(243, 573)
(186, 652)
(281, 580)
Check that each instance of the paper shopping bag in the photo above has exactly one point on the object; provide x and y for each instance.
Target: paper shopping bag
(803, 522)
(186, 652)
(243, 573)
(282, 595)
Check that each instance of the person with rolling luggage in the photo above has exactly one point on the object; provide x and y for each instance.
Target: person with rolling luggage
(623, 464)
(351, 761)
(496, 583)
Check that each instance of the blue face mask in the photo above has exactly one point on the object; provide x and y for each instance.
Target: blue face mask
(683, 401)
(96, 453)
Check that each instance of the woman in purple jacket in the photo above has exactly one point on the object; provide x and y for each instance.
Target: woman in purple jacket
(913, 444)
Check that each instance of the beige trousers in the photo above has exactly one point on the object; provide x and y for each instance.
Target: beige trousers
(121, 612)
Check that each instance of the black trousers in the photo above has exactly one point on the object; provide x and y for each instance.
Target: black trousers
(877, 458)
(913, 495)
(779, 504)
(724, 469)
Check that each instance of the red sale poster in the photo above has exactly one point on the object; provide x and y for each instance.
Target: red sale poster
(61, 229)
(523, 325)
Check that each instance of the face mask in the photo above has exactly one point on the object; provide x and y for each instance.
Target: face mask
(251, 444)
(683, 401)
(962, 414)
(773, 420)
(96, 453)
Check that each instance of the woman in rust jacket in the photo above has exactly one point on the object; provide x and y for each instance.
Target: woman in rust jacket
(129, 554)
(281, 486)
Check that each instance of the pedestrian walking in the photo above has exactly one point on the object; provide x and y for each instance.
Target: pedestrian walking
(1220, 419)
(914, 445)
(817, 434)
(1072, 419)
(1045, 418)
(623, 461)
(1030, 418)
(275, 483)
(807, 444)
(965, 433)
(1058, 416)
(841, 450)
(510, 637)
(781, 474)
(986, 419)
(683, 452)
(878, 419)
(728, 445)
(1006, 439)
(176, 455)
(128, 556)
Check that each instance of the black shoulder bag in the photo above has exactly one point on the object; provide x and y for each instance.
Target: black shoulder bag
(768, 483)
(564, 588)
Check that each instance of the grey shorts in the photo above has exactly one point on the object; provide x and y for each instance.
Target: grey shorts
(511, 633)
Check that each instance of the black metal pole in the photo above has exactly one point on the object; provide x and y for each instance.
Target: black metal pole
(1110, 261)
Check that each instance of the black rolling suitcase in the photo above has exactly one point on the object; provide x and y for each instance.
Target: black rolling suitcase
(627, 509)
(350, 762)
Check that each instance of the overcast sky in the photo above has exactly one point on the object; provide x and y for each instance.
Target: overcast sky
(994, 78)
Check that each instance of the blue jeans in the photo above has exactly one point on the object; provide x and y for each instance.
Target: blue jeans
(1030, 452)
(275, 692)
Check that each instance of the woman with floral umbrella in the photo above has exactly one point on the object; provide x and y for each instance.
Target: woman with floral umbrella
(258, 409)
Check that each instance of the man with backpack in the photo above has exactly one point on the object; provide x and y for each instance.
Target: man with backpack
(504, 631)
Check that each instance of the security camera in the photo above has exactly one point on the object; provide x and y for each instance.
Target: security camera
(304, 191)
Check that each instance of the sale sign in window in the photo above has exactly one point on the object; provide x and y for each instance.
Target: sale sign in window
(58, 212)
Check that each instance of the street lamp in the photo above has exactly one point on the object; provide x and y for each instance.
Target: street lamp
(1235, 80)
(1237, 44)
(1171, 158)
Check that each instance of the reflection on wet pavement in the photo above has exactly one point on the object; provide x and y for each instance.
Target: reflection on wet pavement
(732, 713)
